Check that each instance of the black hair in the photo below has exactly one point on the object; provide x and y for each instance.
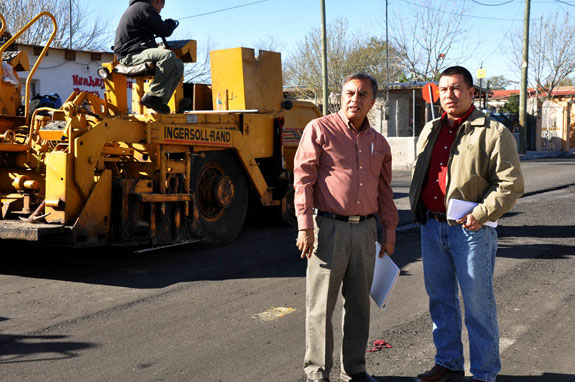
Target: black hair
(454, 70)
(362, 76)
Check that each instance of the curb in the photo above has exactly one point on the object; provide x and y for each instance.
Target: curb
(546, 154)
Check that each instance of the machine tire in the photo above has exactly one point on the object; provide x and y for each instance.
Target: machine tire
(288, 216)
(220, 195)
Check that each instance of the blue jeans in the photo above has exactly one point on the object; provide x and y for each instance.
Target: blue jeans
(453, 255)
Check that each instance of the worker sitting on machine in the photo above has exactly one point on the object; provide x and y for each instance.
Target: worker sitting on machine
(135, 43)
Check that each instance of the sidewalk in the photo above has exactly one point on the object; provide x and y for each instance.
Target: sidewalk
(546, 154)
(538, 177)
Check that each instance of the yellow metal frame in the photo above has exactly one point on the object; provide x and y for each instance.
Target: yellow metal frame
(3, 24)
(101, 144)
(40, 57)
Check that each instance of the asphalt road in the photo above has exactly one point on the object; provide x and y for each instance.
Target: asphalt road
(237, 313)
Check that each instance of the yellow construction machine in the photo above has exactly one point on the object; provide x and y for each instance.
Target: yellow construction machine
(94, 173)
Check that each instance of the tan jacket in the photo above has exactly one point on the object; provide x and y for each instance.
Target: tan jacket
(483, 168)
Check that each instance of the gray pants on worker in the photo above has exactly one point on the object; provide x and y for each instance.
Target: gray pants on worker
(168, 74)
(344, 256)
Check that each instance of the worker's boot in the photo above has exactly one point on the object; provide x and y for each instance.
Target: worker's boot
(155, 103)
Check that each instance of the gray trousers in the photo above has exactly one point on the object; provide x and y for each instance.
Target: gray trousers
(169, 70)
(344, 255)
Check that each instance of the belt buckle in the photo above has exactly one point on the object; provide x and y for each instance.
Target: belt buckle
(353, 219)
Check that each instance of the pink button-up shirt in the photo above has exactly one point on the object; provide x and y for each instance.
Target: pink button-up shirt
(343, 172)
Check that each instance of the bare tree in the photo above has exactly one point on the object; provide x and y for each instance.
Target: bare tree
(85, 35)
(551, 52)
(200, 72)
(426, 33)
(347, 53)
(269, 43)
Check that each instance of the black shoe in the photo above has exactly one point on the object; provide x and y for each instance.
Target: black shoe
(155, 103)
(362, 377)
(439, 373)
(318, 380)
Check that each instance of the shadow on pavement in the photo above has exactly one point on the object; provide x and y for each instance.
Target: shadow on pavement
(260, 251)
(543, 231)
(545, 377)
(18, 349)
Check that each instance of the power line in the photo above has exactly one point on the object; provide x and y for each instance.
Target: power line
(492, 5)
(504, 37)
(458, 14)
(212, 12)
(224, 9)
(519, 1)
(564, 2)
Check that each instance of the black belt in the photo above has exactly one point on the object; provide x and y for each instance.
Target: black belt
(439, 216)
(354, 219)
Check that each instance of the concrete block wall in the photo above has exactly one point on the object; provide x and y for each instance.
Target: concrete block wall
(403, 151)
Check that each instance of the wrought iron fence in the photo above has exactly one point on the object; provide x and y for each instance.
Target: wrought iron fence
(551, 123)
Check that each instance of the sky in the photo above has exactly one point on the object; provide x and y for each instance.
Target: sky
(232, 23)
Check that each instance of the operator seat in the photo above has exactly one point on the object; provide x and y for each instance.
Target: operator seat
(145, 69)
(115, 76)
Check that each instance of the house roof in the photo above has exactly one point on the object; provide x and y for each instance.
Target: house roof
(503, 94)
(64, 49)
(561, 91)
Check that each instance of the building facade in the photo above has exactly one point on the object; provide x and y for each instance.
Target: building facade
(63, 71)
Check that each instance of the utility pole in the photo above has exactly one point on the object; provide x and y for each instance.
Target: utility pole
(523, 91)
(386, 59)
(324, 56)
(70, 40)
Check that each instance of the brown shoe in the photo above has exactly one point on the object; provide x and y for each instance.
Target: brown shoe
(439, 373)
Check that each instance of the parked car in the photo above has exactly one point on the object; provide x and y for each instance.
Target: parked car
(509, 120)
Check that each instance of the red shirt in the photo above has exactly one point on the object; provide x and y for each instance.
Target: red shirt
(341, 171)
(433, 193)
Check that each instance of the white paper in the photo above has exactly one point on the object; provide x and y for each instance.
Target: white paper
(456, 209)
(385, 275)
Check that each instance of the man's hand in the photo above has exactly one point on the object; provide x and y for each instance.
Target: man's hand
(173, 23)
(387, 248)
(469, 222)
(305, 242)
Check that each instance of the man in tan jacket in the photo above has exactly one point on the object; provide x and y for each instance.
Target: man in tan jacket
(462, 156)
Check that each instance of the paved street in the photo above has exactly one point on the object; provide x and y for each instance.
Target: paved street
(237, 313)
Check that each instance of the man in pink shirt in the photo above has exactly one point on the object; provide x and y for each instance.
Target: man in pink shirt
(342, 179)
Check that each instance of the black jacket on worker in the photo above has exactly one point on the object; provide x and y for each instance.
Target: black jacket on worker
(138, 27)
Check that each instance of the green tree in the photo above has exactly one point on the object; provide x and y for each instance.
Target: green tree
(498, 82)
(512, 105)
